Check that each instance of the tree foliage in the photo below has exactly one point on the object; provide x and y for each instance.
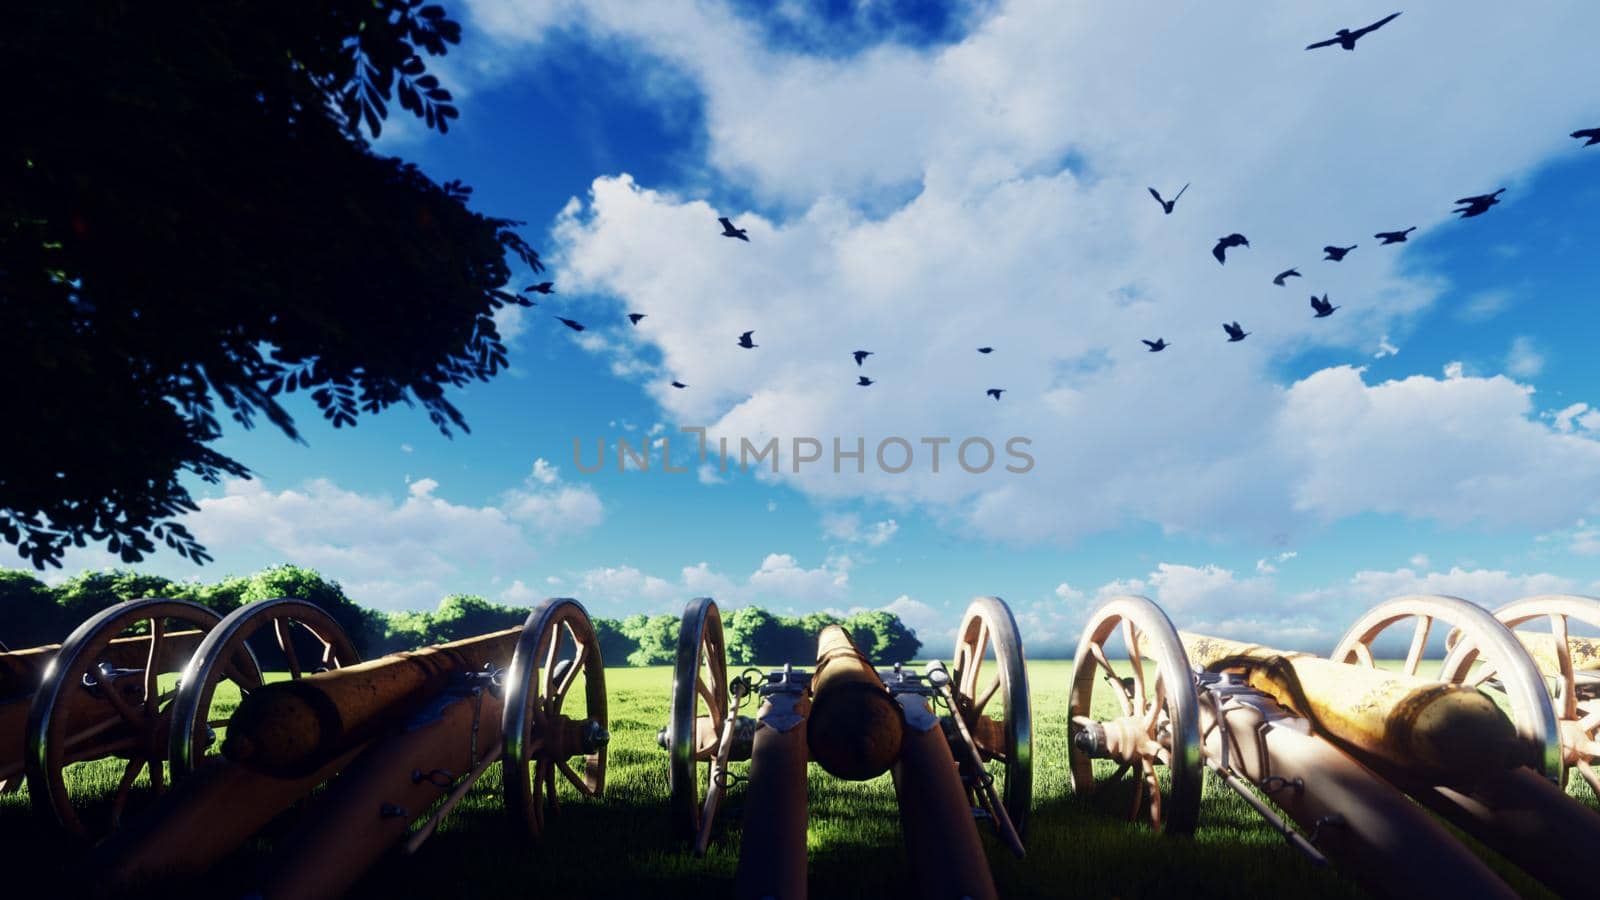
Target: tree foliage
(193, 224)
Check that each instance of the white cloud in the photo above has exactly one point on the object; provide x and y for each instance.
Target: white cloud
(553, 506)
(781, 582)
(899, 185)
(1524, 359)
(1385, 348)
(406, 448)
(422, 487)
(1484, 305)
(544, 472)
(848, 527)
(1419, 561)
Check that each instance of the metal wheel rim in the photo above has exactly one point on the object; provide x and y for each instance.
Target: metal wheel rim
(989, 619)
(44, 755)
(1531, 711)
(700, 644)
(531, 703)
(229, 641)
(1159, 639)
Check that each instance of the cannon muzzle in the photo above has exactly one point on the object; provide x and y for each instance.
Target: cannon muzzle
(855, 727)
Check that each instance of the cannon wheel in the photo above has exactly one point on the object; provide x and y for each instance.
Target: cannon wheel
(66, 726)
(557, 646)
(1504, 658)
(699, 678)
(1160, 707)
(1577, 709)
(1008, 739)
(225, 653)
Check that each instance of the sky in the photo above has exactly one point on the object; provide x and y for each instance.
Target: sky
(921, 182)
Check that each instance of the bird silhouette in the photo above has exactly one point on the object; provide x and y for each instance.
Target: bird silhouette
(1394, 237)
(1223, 243)
(543, 287)
(1235, 333)
(995, 392)
(1157, 345)
(1346, 38)
(1593, 135)
(635, 317)
(745, 342)
(729, 231)
(1286, 273)
(679, 385)
(861, 355)
(1167, 205)
(985, 349)
(1323, 307)
(863, 381)
(1338, 253)
(1477, 206)
(575, 326)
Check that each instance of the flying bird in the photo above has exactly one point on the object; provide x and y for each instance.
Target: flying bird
(635, 317)
(679, 385)
(1167, 205)
(575, 326)
(543, 287)
(985, 349)
(1477, 206)
(1323, 307)
(1593, 135)
(1286, 273)
(1235, 333)
(861, 355)
(1233, 240)
(745, 342)
(729, 231)
(863, 381)
(995, 392)
(1157, 345)
(1338, 253)
(1346, 38)
(1394, 237)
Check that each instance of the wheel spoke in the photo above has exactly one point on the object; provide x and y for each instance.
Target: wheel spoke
(97, 728)
(1138, 796)
(552, 653)
(574, 778)
(113, 695)
(1153, 714)
(1363, 655)
(1487, 672)
(286, 644)
(550, 787)
(988, 694)
(1155, 792)
(152, 666)
(1419, 643)
(576, 669)
(1130, 636)
(1569, 681)
(124, 787)
(980, 646)
(1099, 654)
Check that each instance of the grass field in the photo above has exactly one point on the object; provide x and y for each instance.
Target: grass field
(623, 845)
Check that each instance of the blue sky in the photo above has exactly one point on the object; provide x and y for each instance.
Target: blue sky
(920, 183)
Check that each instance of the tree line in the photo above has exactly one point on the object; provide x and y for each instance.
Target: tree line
(34, 613)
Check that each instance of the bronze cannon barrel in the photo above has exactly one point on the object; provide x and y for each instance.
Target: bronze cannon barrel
(772, 853)
(941, 835)
(22, 670)
(1424, 727)
(292, 727)
(855, 727)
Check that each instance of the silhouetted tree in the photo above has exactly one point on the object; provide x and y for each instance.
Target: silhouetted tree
(883, 637)
(191, 214)
(31, 614)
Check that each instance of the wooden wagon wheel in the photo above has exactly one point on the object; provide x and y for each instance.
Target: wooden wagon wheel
(1003, 730)
(86, 709)
(699, 695)
(1569, 664)
(1157, 718)
(225, 653)
(557, 649)
(1503, 656)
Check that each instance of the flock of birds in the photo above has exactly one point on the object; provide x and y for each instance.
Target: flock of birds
(1466, 208)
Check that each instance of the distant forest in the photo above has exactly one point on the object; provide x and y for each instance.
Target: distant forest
(34, 613)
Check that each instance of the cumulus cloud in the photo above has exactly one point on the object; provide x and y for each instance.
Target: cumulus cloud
(1524, 359)
(780, 582)
(848, 527)
(552, 506)
(897, 185)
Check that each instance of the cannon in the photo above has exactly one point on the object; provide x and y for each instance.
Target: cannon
(857, 722)
(1341, 749)
(408, 735)
(103, 693)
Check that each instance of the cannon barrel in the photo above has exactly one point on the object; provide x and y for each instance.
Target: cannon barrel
(22, 670)
(1541, 645)
(855, 727)
(935, 816)
(1428, 728)
(293, 727)
(772, 854)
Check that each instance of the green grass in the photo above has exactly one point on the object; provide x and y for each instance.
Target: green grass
(623, 845)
